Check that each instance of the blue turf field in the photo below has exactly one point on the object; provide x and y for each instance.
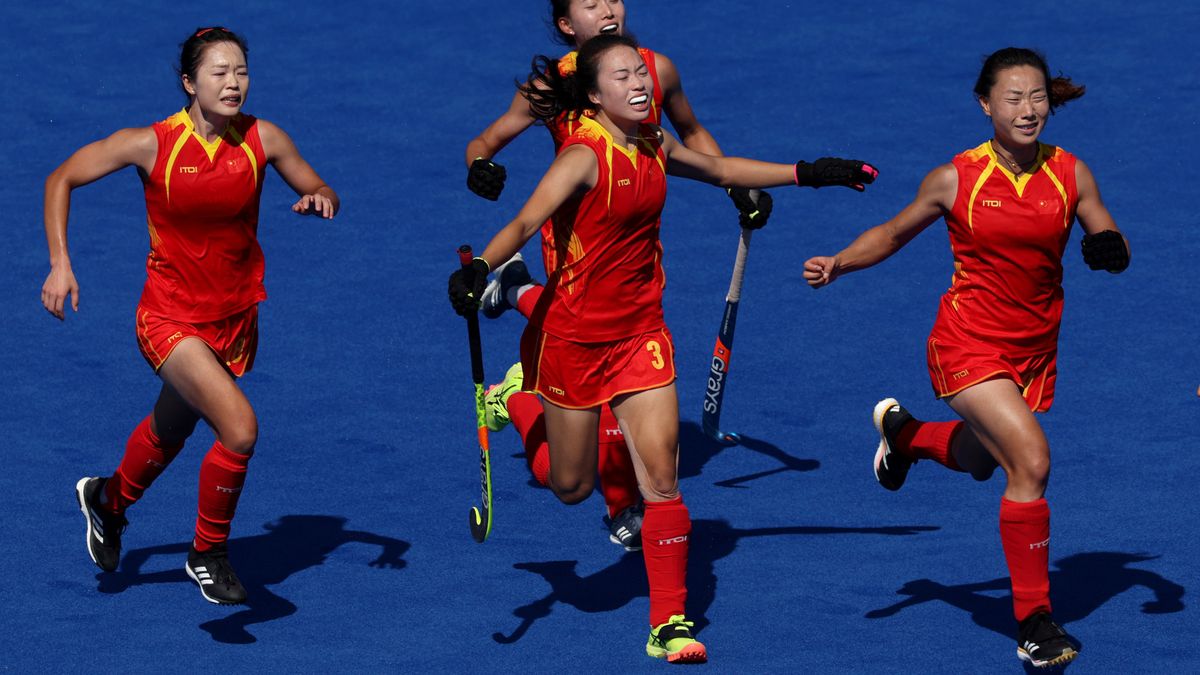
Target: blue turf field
(352, 536)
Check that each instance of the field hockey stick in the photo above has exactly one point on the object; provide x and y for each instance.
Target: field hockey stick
(481, 517)
(718, 374)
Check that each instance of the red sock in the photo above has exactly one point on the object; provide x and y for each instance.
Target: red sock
(529, 300)
(665, 530)
(222, 474)
(525, 411)
(146, 456)
(930, 440)
(1025, 534)
(618, 482)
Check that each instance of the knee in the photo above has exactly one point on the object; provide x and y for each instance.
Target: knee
(660, 486)
(1032, 470)
(240, 435)
(572, 491)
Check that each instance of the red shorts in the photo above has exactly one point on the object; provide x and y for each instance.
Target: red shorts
(233, 339)
(955, 364)
(580, 375)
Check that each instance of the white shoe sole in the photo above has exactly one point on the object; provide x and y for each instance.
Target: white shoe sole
(87, 517)
(881, 409)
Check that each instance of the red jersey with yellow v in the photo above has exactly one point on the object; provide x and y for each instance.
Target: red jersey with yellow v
(1008, 234)
(603, 255)
(202, 202)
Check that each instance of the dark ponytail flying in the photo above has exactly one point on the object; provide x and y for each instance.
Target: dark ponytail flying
(561, 86)
(1061, 88)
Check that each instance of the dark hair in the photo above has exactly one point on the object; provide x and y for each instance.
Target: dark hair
(191, 52)
(559, 9)
(1061, 88)
(554, 87)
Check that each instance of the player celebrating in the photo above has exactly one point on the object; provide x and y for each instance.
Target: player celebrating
(597, 334)
(576, 21)
(1008, 204)
(202, 169)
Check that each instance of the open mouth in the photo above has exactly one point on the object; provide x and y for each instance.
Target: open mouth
(609, 29)
(639, 100)
(231, 100)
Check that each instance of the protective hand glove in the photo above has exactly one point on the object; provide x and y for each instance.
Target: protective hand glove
(466, 286)
(1105, 251)
(486, 178)
(851, 173)
(754, 206)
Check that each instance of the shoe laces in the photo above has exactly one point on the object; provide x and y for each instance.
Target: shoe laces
(675, 627)
(217, 561)
(1041, 628)
(114, 523)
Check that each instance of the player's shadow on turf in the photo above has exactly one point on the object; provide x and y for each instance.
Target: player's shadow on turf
(1082, 584)
(620, 583)
(290, 545)
(696, 448)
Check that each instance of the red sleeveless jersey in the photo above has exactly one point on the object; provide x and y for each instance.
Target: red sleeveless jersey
(202, 210)
(566, 124)
(602, 251)
(1008, 234)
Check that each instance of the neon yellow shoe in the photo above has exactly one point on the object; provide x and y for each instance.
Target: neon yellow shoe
(673, 640)
(495, 401)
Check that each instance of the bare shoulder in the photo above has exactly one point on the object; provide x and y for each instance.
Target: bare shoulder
(940, 186)
(268, 129)
(661, 61)
(941, 178)
(576, 154)
(135, 145)
(275, 141)
(136, 138)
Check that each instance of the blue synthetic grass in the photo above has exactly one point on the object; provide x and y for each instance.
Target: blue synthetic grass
(352, 535)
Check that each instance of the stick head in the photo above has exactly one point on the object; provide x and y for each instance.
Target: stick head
(481, 524)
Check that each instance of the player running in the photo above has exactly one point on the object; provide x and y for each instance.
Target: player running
(576, 21)
(597, 333)
(197, 322)
(1008, 204)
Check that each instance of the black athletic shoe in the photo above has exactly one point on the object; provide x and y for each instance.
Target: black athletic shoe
(1043, 643)
(626, 528)
(104, 527)
(891, 467)
(212, 571)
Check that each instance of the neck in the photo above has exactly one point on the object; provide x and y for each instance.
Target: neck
(209, 126)
(622, 130)
(1015, 160)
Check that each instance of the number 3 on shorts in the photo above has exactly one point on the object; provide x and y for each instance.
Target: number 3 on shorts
(655, 354)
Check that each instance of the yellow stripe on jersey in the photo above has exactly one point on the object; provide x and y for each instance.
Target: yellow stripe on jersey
(574, 254)
(983, 177)
(237, 138)
(1062, 192)
(170, 169)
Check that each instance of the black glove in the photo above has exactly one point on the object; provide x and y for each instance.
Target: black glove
(486, 178)
(466, 286)
(850, 173)
(1105, 251)
(754, 206)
